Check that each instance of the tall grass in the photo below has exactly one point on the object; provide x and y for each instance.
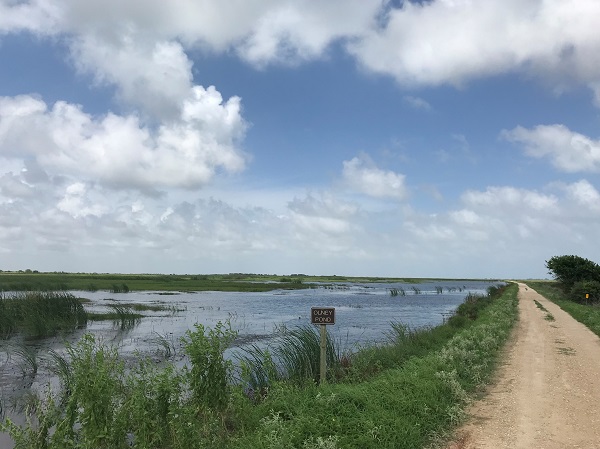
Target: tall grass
(40, 314)
(111, 406)
(294, 356)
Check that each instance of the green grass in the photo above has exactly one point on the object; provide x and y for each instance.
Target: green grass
(122, 315)
(586, 314)
(40, 314)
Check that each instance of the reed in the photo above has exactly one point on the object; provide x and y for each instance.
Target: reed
(40, 314)
(61, 368)
(165, 343)
(294, 356)
(122, 316)
(28, 356)
(397, 291)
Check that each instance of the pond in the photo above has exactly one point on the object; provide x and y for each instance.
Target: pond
(363, 314)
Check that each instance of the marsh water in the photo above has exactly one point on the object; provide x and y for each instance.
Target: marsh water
(364, 313)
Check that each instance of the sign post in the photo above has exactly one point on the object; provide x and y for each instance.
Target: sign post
(323, 316)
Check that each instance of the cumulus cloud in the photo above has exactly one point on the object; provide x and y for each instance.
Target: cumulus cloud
(154, 77)
(567, 150)
(361, 175)
(139, 43)
(584, 195)
(119, 150)
(451, 42)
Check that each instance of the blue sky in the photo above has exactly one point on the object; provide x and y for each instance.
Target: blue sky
(362, 137)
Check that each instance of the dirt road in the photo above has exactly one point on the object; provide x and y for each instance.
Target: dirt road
(547, 395)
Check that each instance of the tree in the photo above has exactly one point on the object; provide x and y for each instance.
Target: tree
(568, 270)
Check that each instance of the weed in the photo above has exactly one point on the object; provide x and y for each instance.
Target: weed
(210, 373)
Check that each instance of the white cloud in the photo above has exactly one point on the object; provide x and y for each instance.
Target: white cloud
(453, 41)
(38, 16)
(120, 151)
(294, 31)
(363, 176)
(584, 195)
(567, 150)
(152, 76)
(139, 44)
(417, 103)
(507, 198)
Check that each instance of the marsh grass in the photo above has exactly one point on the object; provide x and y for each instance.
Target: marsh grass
(294, 356)
(40, 314)
(121, 315)
(28, 356)
(60, 366)
(166, 346)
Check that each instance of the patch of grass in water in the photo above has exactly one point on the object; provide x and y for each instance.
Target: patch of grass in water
(122, 316)
(40, 314)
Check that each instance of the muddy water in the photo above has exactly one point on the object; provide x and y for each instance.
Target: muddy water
(363, 316)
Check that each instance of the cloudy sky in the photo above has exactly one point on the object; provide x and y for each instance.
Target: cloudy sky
(447, 138)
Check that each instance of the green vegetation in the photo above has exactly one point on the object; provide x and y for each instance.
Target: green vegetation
(399, 291)
(122, 283)
(588, 314)
(121, 315)
(577, 276)
(417, 391)
(40, 314)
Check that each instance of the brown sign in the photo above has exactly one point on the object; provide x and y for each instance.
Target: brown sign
(322, 315)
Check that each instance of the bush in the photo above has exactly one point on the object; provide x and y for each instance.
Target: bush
(581, 288)
(568, 270)
(210, 374)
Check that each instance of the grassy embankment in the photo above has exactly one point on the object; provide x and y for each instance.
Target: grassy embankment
(588, 314)
(401, 395)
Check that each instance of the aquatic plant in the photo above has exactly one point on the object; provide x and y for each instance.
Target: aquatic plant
(397, 291)
(28, 355)
(122, 316)
(40, 314)
(165, 344)
(294, 356)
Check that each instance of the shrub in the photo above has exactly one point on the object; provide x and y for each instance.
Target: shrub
(568, 270)
(581, 288)
(210, 374)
